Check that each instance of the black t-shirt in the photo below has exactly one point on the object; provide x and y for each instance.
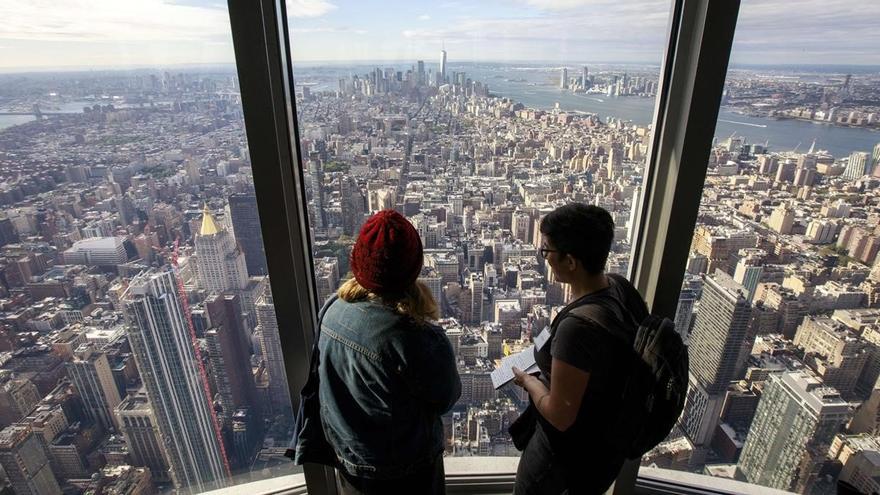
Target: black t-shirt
(589, 347)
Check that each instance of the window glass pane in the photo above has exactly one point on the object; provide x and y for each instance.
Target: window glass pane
(474, 121)
(780, 298)
(138, 341)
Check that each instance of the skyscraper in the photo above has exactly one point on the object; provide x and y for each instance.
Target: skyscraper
(326, 277)
(93, 378)
(220, 262)
(563, 80)
(18, 396)
(859, 165)
(475, 284)
(270, 344)
(138, 424)
(521, 226)
(246, 436)
(229, 355)
(351, 203)
(834, 352)
(720, 332)
(875, 160)
(163, 349)
(719, 344)
(794, 425)
(317, 214)
(782, 219)
(246, 226)
(615, 160)
(585, 78)
(24, 460)
(684, 313)
(432, 279)
(749, 269)
(442, 66)
(700, 417)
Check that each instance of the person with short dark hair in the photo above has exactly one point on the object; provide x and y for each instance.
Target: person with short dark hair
(580, 385)
(387, 373)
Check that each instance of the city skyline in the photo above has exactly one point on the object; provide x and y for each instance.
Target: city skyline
(102, 33)
(139, 339)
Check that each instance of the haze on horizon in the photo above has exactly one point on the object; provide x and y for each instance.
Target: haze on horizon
(101, 34)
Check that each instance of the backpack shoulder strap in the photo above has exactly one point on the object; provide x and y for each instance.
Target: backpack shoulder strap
(631, 294)
(603, 313)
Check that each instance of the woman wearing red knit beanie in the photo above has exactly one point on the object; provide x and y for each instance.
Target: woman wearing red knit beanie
(386, 372)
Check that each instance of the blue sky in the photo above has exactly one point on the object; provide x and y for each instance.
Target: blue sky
(102, 33)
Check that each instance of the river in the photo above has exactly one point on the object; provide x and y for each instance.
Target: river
(536, 86)
(66, 107)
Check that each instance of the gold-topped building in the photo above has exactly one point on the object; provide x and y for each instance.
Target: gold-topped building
(220, 261)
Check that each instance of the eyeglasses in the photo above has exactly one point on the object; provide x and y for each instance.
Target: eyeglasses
(544, 251)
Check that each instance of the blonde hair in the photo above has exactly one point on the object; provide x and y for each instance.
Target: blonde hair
(416, 302)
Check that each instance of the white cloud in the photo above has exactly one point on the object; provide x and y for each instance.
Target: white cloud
(569, 28)
(110, 20)
(424, 17)
(597, 5)
(309, 8)
(585, 35)
(297, 30)
(559, 4)
(768, 31)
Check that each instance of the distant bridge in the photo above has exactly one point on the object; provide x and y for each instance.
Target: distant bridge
(36, 111)
(35, 114)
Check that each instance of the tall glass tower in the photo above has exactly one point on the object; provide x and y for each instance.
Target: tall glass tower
(796, 421)
(163, 349)
(719, 345)
(720, 332)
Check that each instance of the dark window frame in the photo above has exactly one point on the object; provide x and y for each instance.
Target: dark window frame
(692, 78)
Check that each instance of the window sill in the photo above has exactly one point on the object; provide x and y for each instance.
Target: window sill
(496, 475)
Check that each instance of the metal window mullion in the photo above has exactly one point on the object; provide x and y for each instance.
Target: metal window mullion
(698, 72)
(259, 34)
(696, 68)
(659, 119)
(320, 480)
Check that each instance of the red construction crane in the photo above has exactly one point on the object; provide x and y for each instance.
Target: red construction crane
(195, 343)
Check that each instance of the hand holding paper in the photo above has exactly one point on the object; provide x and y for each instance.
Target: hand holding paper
(524, 360)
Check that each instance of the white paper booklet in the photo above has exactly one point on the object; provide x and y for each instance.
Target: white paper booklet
(524, 360)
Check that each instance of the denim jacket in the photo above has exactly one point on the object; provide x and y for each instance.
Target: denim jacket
(384, 382)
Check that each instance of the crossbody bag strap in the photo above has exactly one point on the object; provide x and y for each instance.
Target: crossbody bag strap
(314, 361)
(323, 310)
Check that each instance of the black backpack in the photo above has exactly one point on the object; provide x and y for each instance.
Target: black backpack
(655, 390)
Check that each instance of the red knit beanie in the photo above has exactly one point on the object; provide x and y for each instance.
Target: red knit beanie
(387, 256)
